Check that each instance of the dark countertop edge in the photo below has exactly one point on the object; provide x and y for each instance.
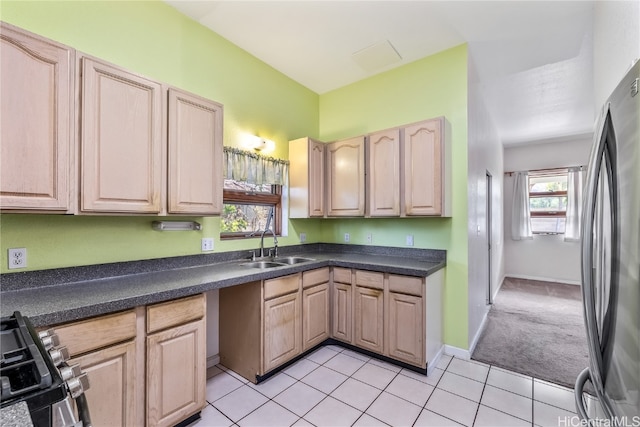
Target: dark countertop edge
(106, 307)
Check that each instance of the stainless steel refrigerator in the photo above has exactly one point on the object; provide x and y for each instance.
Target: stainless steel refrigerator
(611, 259)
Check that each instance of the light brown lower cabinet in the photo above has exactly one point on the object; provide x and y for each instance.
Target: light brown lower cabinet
(368, 317)
(282, 326)
(116, 349)
(316, 310)
(176, 360)
(342, 320)
(406, 328)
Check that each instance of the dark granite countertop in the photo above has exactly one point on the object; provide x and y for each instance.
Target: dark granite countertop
(49, 297)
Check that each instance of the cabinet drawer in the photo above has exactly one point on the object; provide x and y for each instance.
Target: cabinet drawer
(281, 286)
(315, 277)
(369, 279)
(406, 285)
(342, 275)
(175, 312)
(91, 334)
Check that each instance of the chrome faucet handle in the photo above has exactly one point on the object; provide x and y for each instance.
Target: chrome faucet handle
(271, 253)
(252, 255)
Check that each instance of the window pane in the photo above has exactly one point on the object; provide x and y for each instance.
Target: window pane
(544, 184)
(548, 225)
(548, 204)
(240, 218)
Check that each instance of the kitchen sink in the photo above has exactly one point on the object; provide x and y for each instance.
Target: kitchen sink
(263, 264)
(290, 260)
(276, 262)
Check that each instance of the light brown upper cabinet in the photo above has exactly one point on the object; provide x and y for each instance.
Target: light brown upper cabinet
(306, 178)
(121, 141)
(133, 160)
(36, 122)
(383, 177)
(345, 177)
(195, 154)
(426, 169)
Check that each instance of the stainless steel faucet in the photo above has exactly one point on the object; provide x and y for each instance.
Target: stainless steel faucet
(275, 243)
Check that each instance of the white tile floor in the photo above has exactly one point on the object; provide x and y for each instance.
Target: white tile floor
(338, 387)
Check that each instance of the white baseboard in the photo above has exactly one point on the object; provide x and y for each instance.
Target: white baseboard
(213, 360)
(460, 353)
(433, 363)
(544, 279)
(476, 337)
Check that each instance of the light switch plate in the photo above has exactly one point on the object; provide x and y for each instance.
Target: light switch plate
(207, 244)
(347, 237)
(409, 240)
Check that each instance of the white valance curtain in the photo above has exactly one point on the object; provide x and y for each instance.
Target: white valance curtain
(574, 205)
(520, 213)
(245, 166)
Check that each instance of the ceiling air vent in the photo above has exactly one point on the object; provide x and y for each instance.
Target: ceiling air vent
(377, 56)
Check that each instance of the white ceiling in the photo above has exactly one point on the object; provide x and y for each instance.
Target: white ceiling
(533, 58)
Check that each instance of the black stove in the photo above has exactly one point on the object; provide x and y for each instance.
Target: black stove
(33, 370)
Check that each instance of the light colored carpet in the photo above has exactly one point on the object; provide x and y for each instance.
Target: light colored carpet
(536, 328)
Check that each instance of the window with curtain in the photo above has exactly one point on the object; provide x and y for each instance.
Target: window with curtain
(252, 190)
(547, 202)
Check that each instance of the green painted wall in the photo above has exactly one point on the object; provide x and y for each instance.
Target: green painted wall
(430, 87)
(153, 39)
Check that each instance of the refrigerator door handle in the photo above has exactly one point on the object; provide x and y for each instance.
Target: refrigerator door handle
(588, 220)
(582, 379)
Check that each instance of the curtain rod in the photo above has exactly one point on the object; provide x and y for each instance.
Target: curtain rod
(547, 169)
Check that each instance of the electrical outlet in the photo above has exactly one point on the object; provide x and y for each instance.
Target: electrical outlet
(409, 241)
(347, 237)
(17, 258)
(369, 238)
(303, 237)
(207, 244)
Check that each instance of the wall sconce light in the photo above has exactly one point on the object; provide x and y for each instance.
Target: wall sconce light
(176, 225)
(260, 144)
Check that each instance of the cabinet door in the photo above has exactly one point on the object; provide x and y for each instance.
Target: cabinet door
(121, 141)
(369, 319)
(406, 328)
(383, 173)
(282, 330)
(112, 384)
(422, 170)
(195, 154)
(316, 178)
(36, 122)
(176, 373)
(315, 315)
(345, 181)
(342, 320)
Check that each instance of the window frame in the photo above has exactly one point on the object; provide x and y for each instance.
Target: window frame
(542, 194)
(241, 197)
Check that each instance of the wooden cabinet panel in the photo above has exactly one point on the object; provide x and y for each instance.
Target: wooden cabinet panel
(281, 286)
(175, 312)
(306, 178)
(195, 154)
(369, 319)
(176, 373)
(423, 168)
(345, 180)
(406, 284)
(342, 275)
(342, 318)
(370, 279)
(282, 330)
(36, 122)
(112, 384)
(315, 277)
(315, 315)
(383, 173)
(122, 161)
(98, 332)
(406, 328)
